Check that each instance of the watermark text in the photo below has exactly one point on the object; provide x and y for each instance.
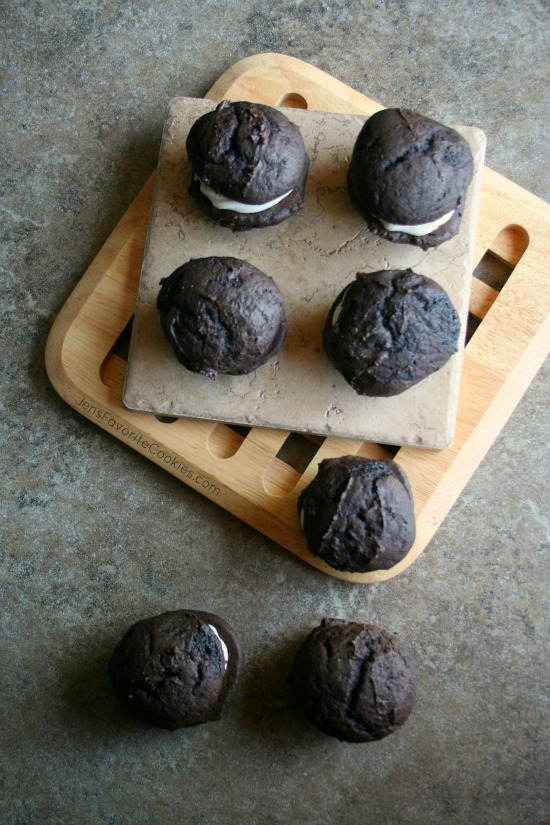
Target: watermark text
(152, 448)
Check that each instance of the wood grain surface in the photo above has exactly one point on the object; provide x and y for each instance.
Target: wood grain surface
(247, 473)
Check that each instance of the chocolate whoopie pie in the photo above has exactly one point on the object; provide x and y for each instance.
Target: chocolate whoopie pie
(249, 165)
(354, 681)
(222, 315)
(388, 330)
(177, 669)
(358, 514)
(408, 177)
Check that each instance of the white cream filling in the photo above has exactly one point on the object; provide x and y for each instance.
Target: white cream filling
(224, 646)
(338, 308)
(336, 314)
(418, 229)
(221, 202)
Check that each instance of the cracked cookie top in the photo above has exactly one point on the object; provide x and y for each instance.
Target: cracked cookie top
(177, 669)
(354, 681)
(358, 514)
(221, 315)
(407, 168)
(390, 329)
(249, 165)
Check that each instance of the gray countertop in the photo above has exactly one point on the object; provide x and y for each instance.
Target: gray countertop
(95, 537)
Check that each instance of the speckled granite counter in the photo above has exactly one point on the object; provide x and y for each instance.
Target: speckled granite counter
(95, 537)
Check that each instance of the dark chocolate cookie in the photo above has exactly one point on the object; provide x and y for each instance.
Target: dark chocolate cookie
(222, 315)
(358, 514)
(388, 330)
(251, 156)
(354, 681)
(407, 170)
(178, 669)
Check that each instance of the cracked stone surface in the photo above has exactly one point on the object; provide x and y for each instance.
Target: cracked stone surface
(94, 537)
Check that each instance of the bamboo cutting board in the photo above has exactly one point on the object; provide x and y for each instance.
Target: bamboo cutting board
(250, 473)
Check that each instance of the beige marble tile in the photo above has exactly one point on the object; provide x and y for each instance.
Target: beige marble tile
(311, 256)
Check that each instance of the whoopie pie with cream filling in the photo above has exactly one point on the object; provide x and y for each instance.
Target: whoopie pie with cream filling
(408, 177)
(249, 165)
(177, 669)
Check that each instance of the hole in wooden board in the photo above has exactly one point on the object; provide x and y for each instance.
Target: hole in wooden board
(492, 271)
(389, 451)
(166, 419)
(119, 349)
(286, 469)
(122, 343)
(472, 325)
(377, 452)
(225, 439)
(293, 101)
(510, 244)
